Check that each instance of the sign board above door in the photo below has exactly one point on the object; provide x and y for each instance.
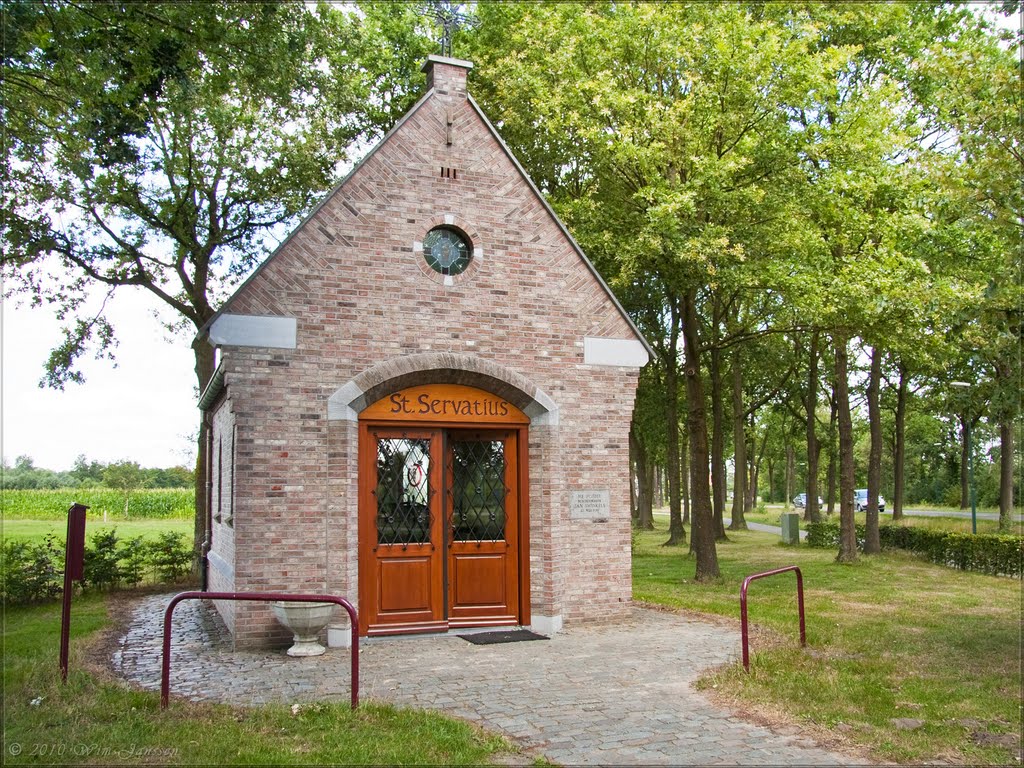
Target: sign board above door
(445, 403)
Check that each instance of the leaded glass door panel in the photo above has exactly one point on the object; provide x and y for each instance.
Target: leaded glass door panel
(439, 528)
(481, 506)
(401, 529)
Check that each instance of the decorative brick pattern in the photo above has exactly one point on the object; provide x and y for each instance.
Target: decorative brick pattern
(371, 318)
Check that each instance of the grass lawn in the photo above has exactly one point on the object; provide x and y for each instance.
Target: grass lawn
(889, 637)
(36, 530)
(96, 720)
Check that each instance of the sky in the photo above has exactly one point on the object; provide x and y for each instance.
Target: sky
(143, 410)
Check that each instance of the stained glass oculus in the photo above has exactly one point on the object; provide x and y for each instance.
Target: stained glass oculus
(447, 251)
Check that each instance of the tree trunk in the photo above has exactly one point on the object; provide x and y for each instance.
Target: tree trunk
(676, 534)
(965, 434)
(872, 538)
(659, 488)
(755, 478)
(717, 445)
(703, 530)
(755, 472)
(201, 533)
(739, 440)
(684, 466)
(832, 454)
(900, 449)
(1006, 476)
(847, 527)
(645, 512)
(811, 511)
(771, 480)
(644, 480)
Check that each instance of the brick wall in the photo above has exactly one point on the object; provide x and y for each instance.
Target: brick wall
(354, 277)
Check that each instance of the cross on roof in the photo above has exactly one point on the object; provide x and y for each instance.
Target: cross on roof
(451, 18)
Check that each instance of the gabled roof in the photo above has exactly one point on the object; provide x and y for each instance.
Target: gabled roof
(512, 158)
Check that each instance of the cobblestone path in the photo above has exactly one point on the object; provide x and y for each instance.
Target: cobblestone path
(595, 695)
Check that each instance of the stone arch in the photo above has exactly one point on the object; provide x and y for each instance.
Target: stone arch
(399, 373)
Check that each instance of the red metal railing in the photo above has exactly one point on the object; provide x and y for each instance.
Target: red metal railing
(165, 672)
(743, 608)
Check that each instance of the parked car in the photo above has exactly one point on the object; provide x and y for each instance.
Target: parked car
(860, 500)
(800, 500)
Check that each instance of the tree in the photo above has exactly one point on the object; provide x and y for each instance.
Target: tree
(87, 472)
(124, 476)
(664, 135)
(161, 146)
(647, 440)
(976, 99)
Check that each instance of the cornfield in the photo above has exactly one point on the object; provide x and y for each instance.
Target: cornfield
(53, 504)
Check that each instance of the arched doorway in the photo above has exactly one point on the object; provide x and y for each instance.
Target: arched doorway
(443, 511)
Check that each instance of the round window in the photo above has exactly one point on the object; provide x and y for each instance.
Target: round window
(447, 251)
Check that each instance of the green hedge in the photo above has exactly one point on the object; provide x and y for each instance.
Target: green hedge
(145, 503)
(34, 571)
(984, 553)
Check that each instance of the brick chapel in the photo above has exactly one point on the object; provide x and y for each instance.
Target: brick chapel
(422, 399)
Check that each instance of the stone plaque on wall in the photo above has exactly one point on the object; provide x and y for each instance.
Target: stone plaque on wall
(590, 505)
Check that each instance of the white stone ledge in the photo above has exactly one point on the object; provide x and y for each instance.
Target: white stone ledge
(338, 407)
(626, 353)
(254, 331)
(546, 625)
(221, 566)
(339, 635)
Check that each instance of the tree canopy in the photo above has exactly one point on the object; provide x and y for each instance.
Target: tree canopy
(812, 210)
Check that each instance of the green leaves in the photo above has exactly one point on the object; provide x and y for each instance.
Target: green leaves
(164, 145)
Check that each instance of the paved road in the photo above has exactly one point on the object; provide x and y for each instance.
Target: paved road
(925, 513)
(939, 513)
(757, 526)
(605, 694)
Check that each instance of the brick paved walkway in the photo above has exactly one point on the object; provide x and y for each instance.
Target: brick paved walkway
(594, 695)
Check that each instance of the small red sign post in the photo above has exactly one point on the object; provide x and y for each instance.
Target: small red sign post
(74, 569)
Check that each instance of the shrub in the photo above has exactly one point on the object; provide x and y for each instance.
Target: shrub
(133, 557)
(102, 560)
(951, 496)
(31, 572)
(171, 556)
(826, 535)
(983, 553)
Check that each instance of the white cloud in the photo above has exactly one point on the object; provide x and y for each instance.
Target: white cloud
(144, 409)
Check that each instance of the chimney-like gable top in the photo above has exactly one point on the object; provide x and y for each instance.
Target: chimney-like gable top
(446, 75)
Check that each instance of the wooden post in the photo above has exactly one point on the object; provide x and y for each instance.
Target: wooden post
(74, 568)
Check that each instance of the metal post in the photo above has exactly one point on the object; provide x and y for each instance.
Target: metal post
(744, 632)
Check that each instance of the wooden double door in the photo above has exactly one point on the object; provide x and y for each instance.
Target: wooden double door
(439, 521)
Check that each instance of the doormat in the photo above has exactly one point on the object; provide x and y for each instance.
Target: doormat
(506, 636)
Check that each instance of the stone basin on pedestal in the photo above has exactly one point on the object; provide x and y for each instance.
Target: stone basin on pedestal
(306, 621)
